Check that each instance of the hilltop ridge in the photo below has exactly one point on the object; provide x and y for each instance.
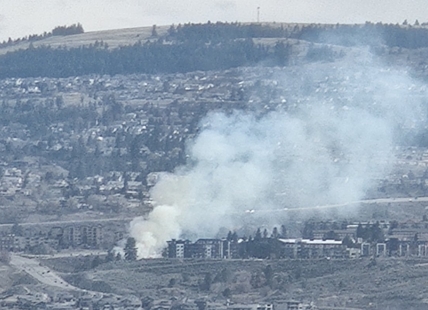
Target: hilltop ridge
(204, 47)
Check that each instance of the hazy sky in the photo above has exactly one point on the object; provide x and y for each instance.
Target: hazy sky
(21, 17)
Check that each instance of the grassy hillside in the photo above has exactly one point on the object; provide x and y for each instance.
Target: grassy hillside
(362, 283)
(114, 38)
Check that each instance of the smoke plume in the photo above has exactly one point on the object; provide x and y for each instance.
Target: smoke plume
(328, 144)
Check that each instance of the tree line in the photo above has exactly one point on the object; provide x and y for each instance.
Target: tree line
(57, 31)
(150, 57)
(372, 34)
(193, 47)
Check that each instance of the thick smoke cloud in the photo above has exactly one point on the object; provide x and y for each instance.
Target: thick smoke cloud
(328, 145)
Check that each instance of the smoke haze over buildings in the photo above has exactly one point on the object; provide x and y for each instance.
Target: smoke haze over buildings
(328, 148)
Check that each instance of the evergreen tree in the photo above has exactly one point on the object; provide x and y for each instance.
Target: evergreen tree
(348, 242)
(268, 272)
(154, 32)
(130, 249)
(109, 257)
(360, 231)
(275, 234)
(206, 284)
(376, 233)
(265, 233)
(234, 237)
(281, 53)
(330, 235)
(308, 230)
(227, 293)
(283, 231)
(96, 262)
(229, 236)
(258, 235)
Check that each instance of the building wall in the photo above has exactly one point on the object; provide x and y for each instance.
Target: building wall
(304, 248)
(9, 242)
(178, 249)
(296, 249)
(203, 248)
(77, 235)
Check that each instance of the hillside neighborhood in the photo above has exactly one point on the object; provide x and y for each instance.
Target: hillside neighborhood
(81, 158)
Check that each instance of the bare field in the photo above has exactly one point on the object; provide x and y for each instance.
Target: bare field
(113, 38)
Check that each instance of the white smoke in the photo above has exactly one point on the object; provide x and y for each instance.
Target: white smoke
(327, 148)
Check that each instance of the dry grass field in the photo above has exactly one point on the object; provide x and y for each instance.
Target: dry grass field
(113, 38)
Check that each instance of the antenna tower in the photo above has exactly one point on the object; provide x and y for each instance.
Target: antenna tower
(258, 14)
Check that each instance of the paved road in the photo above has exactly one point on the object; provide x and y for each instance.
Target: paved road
(127, 219)
(372, 201)
(39, 272)
(367, 201)
(47, 276)
(66, 253)
(52, 223)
